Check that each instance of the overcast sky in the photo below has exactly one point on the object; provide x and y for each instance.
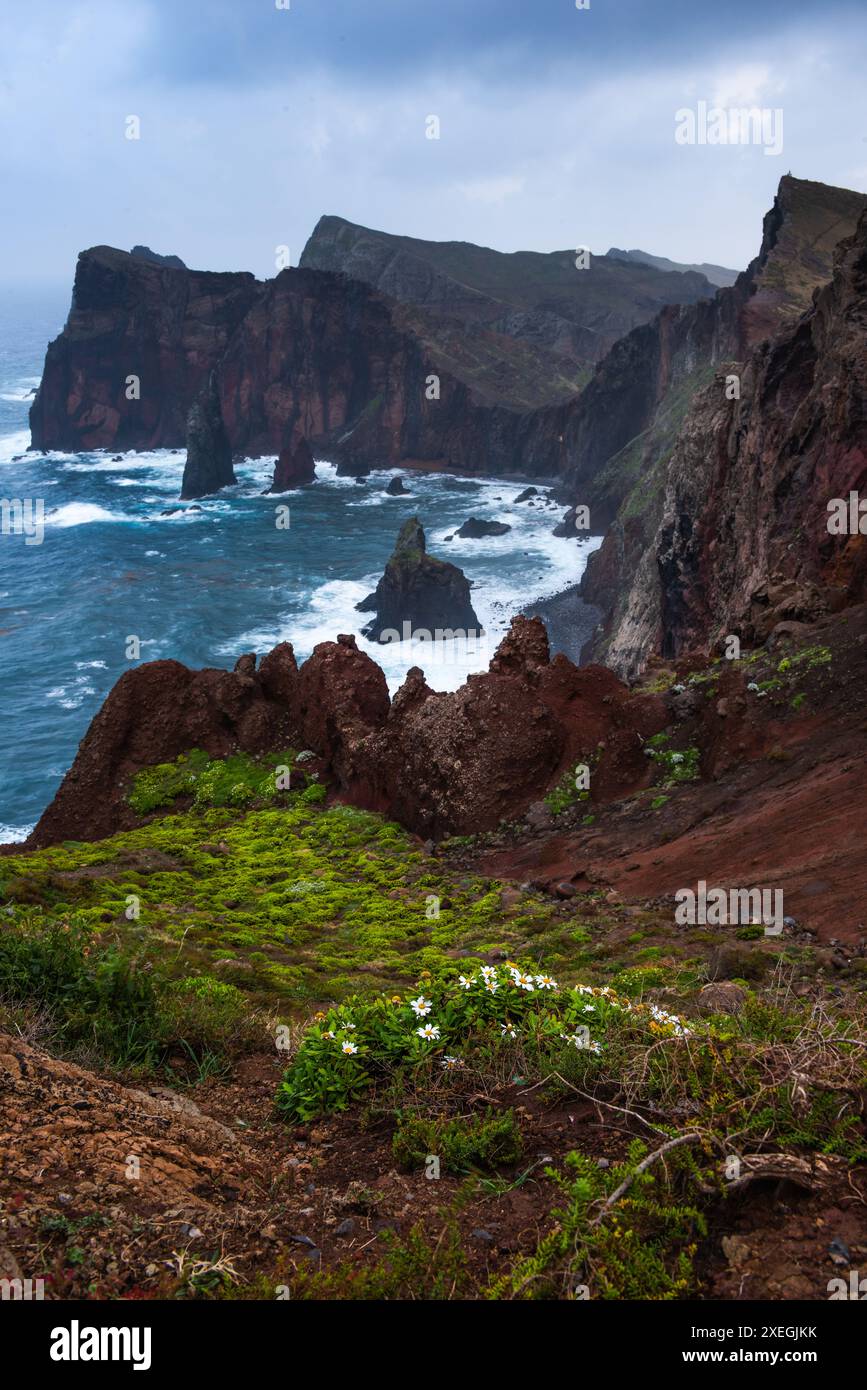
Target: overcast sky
(556, 124)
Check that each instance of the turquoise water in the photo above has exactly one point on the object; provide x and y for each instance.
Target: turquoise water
(205, 586)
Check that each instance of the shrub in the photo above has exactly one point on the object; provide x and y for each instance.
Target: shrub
(642, 1249)
(677, 765)
(566, 793)
(101, 1000)
(496, 1013)
(461, 1144)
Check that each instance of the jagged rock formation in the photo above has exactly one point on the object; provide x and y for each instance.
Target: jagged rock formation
(440, 762)
(209, 455)
(742, 543)
(473, 529)
(396, 488)
(429, 594)
(717, 274)
(624, 427)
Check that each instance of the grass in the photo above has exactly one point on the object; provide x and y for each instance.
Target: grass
(186, 939)
(293, 905)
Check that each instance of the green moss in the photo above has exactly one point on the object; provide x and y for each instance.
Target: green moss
(308, 903)
(236, 781)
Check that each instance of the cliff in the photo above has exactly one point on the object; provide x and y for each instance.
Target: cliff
(540, 300)
(621, 433)
(133, 316)
(742, 542)
(404, 362)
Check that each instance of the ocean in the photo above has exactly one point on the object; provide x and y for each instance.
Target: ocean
(205, 586)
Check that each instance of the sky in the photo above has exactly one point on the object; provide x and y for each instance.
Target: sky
(557, 124)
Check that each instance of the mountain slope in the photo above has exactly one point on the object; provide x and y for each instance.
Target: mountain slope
(718, 275)
(539, 299)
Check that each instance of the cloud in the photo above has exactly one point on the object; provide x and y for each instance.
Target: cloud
(228, 169)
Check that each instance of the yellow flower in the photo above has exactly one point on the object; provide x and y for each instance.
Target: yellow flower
(396, 999)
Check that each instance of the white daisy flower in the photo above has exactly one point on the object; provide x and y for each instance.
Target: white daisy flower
(421, 1007)
(429, 1032)
(464, 982)
(450, 1063)
(545, 982)
(508, 1030)
(349, 1048)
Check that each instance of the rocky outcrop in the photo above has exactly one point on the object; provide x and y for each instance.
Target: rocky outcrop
(209, 455)
(743, 543)
(131, 317)
(441, 763)
(473, 529)
(396, 487)
(429, 594)
(144, 253)
(162, 709)
(295, 466)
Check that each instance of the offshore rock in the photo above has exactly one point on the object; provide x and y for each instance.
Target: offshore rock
(418, 589)
(209, 455)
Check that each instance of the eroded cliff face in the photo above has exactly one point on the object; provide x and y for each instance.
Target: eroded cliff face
(742, 542)
(631, 411)
(377, 349)
(619, 456)
(133, 316)
(308, 359)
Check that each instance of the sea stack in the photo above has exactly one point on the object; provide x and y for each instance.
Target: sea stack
(209, 455)
(416, 589)
(295, 466)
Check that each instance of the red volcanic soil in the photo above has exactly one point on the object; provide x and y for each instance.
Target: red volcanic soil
(781, 803)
